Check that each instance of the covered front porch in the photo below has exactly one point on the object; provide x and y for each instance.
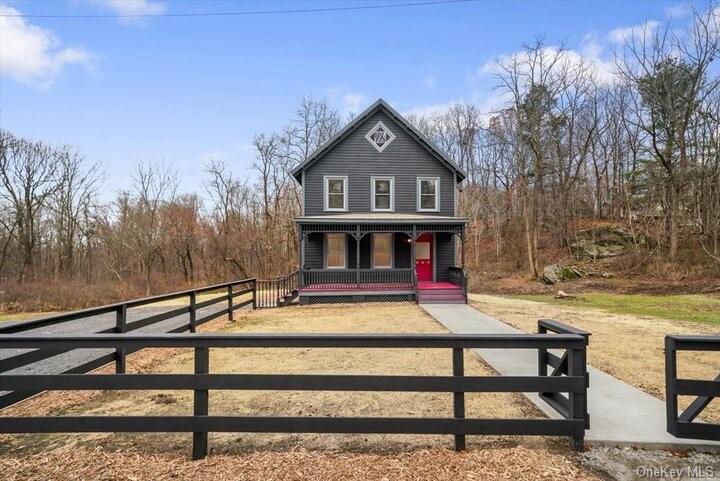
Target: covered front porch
(390, 258)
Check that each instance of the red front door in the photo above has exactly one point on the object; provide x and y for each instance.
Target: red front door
(423, 257)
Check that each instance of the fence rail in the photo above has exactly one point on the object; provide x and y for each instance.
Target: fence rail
(200, 423)
(681, 425)
(231, 291)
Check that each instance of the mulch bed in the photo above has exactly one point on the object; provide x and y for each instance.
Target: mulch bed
(514, 463)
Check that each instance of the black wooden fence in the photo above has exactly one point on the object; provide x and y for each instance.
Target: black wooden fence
(200, 422)
(230, 291)
(681, 425)
(562, 366)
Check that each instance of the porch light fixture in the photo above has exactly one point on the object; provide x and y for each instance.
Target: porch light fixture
(380, 136)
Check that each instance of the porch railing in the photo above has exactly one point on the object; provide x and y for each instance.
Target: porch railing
(457, 276)
(371, 278)
(276, 292)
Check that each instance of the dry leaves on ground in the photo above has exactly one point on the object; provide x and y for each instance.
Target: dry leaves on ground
(514, 463)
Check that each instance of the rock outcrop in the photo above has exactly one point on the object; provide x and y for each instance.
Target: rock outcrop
(555, 273)
(604, 242)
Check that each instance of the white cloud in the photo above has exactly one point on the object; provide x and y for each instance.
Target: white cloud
(634, 32)
(430, 110)
(591, 53)
(132, 7)
(33, 55)
(131, 11)
(346, 101)
(430, 81)
(679, 10)
(352, 102)
(217, 155)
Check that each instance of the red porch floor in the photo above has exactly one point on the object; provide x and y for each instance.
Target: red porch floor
(377, 286)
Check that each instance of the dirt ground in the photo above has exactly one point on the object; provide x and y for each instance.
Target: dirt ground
(281, 456)
(630, 348)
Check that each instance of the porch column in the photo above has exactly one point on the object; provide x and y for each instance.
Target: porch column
(301, 257)
(413, 237)
(357, 255)
(462, 248)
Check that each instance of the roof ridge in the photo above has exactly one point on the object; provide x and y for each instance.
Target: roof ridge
(357, 120)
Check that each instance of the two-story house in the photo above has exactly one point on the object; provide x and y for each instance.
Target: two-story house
(379, 216)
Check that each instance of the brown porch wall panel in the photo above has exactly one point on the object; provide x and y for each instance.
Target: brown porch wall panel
(402, 251)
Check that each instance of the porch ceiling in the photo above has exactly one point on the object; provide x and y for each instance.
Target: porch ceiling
(381, 218)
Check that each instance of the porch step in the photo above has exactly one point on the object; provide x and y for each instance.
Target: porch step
(440, 296)
(453, 290)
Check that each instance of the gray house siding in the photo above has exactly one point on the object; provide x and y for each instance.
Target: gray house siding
(354, 157)
(314, 251)
(444, 255)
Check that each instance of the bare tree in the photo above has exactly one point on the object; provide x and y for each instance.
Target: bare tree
(670, 72)
(29, 176)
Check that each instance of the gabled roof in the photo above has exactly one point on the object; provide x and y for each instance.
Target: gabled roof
(379, 104)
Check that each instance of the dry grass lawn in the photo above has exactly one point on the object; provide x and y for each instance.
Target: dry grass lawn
(285, 456)
(629, 347)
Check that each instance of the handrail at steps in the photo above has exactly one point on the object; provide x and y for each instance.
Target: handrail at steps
(458, 276)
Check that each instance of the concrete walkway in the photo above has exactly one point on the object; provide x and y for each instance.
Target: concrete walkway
(620, 414)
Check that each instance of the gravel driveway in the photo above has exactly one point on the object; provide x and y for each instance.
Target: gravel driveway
(92, 324)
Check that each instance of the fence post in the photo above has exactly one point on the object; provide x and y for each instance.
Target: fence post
(577, 401)
(458, 397)
(670, 387)
(200, 403)
(230, 302)
(193, 311)
(542, 354)
(120, 327)
(254, 293)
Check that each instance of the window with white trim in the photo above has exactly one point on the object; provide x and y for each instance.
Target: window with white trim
(335, 256)
(428, 194)
(382, 251)
(383, 193)
(336, 193)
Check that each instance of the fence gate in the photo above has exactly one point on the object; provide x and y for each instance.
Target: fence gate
(681, 425)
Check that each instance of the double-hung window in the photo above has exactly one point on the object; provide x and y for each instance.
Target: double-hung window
(382, 251)
(383, 193)
(428, 190)
(335, 251)
(336, 193)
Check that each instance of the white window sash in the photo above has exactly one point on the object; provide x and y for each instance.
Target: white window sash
(326, 193)
(391, 194)
(436, 181)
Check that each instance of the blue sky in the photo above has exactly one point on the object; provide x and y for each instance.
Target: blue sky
(183, 89)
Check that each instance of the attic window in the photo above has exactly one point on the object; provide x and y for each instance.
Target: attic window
(380, 136)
